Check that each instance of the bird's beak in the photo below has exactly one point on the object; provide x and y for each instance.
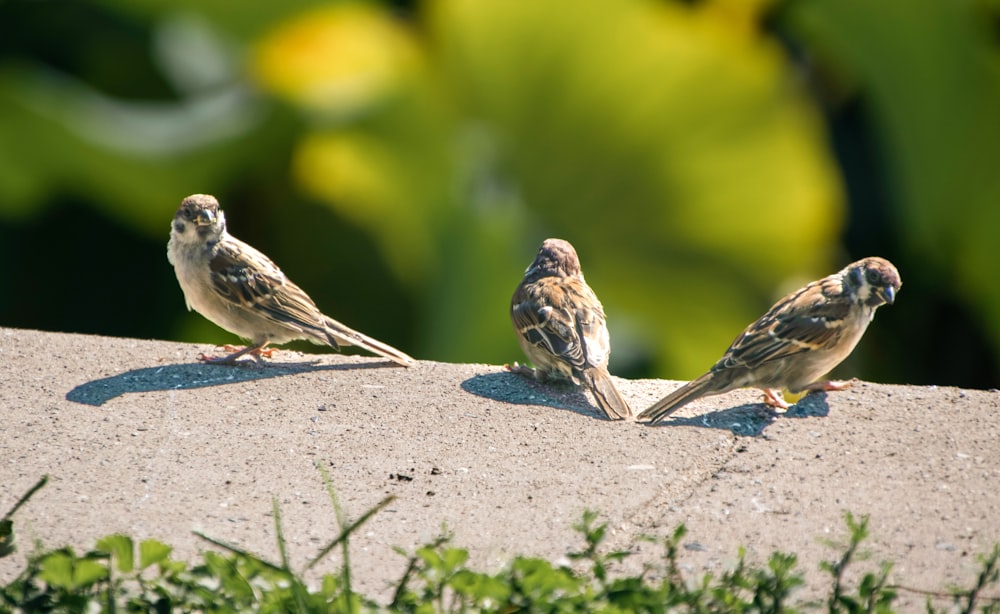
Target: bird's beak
(205, 218)
(888, 294)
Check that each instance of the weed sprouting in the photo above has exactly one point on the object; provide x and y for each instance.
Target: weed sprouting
(119, 574)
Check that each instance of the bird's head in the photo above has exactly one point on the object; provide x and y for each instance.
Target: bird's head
(873, 281)
(199, 218)
(555, 258)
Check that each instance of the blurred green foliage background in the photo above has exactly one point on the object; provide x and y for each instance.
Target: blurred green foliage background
(402, 161)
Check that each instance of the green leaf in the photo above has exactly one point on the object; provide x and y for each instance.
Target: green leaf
(231, 580)
(641, 110)
(152, 552)
(87, 571)
(122, 550)
(454, 558)
(539, 578)
(57, 569)
(64, 570)
(480, 587)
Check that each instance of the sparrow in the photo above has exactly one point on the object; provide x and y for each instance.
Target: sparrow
(561, 327)
(798, 341)
(240, 289)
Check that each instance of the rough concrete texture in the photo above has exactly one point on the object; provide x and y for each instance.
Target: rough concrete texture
(140, 438)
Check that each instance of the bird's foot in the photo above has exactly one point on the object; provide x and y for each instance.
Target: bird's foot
(263, 352)
(525, 370)
(257, 351)
(217, 360)
(830, 385)
(774, 399)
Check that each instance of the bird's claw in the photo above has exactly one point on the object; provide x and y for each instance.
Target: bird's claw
(831, 385)
(773, 398)
(237, 352)
(521, 370)
(264, 352)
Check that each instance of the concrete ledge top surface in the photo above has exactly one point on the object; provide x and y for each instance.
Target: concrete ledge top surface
(140, 438)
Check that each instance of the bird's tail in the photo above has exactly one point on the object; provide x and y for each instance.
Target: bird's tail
(342, 335)
(607, 396)
(678, 398)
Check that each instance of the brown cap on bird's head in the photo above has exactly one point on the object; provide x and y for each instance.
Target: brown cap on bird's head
(555, 257)
(875, 280)
(201, 211)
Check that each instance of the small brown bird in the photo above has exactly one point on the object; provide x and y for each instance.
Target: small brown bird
(561, 326)
(802, 337)
(240, 289)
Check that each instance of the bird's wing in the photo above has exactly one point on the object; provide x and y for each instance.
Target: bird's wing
(810, 319)
(247, 279)
(591, 326)
(544, 317)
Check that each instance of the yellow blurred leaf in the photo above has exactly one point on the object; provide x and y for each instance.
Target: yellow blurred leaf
(669, 139)
(336, 58)
(358, 177)
(344, 167)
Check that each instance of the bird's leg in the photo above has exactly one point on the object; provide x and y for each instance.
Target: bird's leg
(829, 385)
(523, 370)
(260, 349)
(773, 398)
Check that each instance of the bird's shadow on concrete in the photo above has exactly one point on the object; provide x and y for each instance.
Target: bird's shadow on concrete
(195, 375)
(752, 419)
(519, 389)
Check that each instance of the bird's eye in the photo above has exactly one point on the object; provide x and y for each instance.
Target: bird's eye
(873, 277)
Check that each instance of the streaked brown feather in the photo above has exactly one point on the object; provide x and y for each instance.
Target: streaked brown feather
(801, 338)
(562, 327)
(808, 319)
(547, 314)
(256, 283)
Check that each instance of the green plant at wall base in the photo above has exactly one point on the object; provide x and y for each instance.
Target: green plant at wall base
(874, 594)
(7, 545)
(120, 575)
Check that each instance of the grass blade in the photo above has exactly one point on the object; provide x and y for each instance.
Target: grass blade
(239, 551)
(346, 531)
